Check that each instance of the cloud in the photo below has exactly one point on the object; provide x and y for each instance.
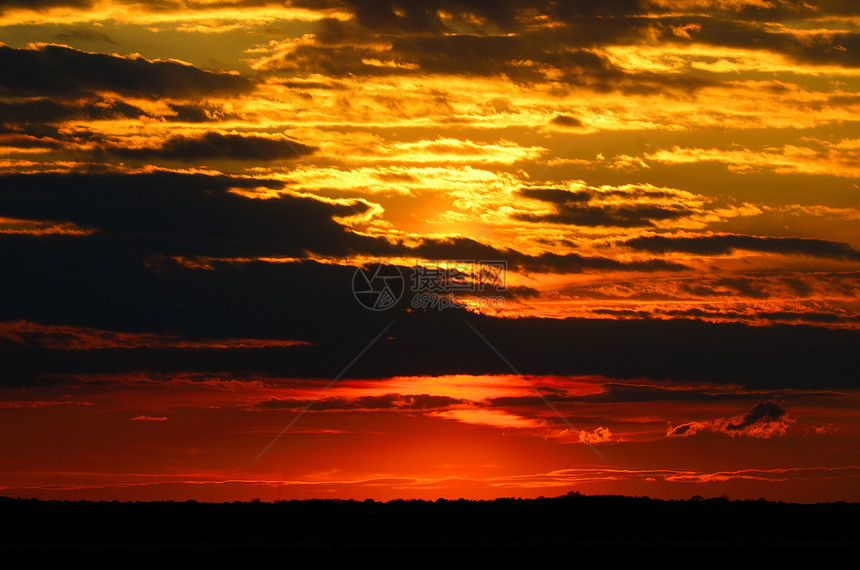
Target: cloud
(313, 302)
(821, 46)
(599, 435)
(84, 35)
(607, 208)
(727, 243)
(525, 58)
(766, 420)
(42, 4)
(27, 141)
(59, 71)
(149, 419)
(41, 116)
(563, 120)
(495, 418)
(390, 402)
(741, 285)
(66, 337)
(575, 263)
(198, 215)
(197, 113)
(187, 215)
(213, 145)
(548, 262)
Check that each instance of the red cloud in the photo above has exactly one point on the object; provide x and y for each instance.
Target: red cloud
(765, 420)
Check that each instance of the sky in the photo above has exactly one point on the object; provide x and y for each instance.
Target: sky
(370, 249)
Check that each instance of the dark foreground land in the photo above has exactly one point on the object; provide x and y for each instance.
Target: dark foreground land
(606, 526)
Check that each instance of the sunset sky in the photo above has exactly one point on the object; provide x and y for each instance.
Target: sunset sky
(192, 193)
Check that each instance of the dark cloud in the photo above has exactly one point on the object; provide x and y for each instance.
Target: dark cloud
(58, 71)
(525, 58)
(181, 215)
(799, 286)
(575, 263)
(724, 244)
(27, 141)
(409, 402)
(425, 15)
(566, 121)
(808, 316)
(575, 208)
(43, 4)
(614, 392)
(766, 420)
(198, 113)
(467, 40)
(776, 316)
(213, 145)
(458, 248)
(44, 117)
(588, 24)
(744, 286)
(834, 47)
(763, 412)
(171, 214)
(727, 287)
(85, 36)
(157, 5)
(104, 285)
(41, 116)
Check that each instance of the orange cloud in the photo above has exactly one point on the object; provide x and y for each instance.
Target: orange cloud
(599, 435)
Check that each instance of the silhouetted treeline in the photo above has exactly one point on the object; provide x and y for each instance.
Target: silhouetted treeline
(569, 520)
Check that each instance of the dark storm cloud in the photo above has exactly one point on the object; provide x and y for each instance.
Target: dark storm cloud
(409, 402)
(84, 35)
(575, 263)
(198, 113)
(763, 412)
(574, 208)
(835, 47)
(623, 216)
(214, 145)
(809, 316)
(566, 121)
(777, 356)
(103, 284)
(43, 4)
(58, 71)
(727, 287)
(39, 116)
(766, 420)
(27, 141)
(744, 286)
(45, 117)
(724, 244)
(460, 248)
(171, 214)
(466, 41)
(799, 286)
(587, 24)
(614, 392)
(776, 316)
(150, 5)
(344, 50)
(424, 15)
